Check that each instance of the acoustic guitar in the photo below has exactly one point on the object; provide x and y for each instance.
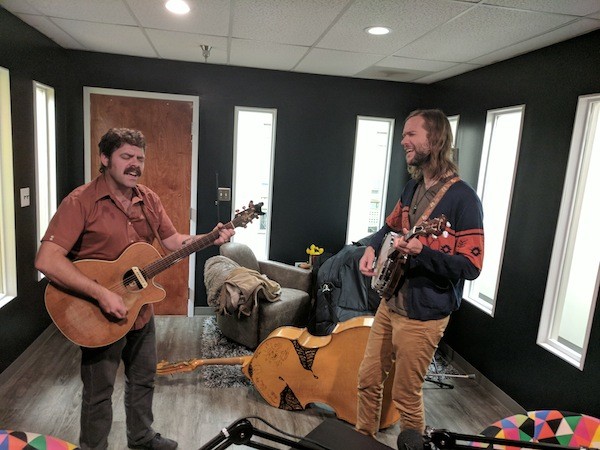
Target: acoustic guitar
(389, 266)
(131, 275)
(292, 368)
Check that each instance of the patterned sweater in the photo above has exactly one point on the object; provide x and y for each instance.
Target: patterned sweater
(436, 276)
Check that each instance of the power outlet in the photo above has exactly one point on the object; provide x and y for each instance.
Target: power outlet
(25, 200)
(224, 194)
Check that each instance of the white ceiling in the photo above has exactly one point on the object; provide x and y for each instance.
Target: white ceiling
(430, 40)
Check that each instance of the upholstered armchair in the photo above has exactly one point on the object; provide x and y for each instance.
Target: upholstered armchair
(292, 309)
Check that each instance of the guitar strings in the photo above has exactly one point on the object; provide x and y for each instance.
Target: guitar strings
(159, 265)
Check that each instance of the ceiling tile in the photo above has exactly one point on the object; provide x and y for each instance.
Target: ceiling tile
(186, 46)
(408, 20)
(284, 21)
(49, 28)
(265, 54)
(399, 62)
(19, 6)
(481, 30)
(576, 28)
(105, 11)
(108, 38)
(205, 16)
(576, 8)
(391, 74)
(451, 72)
(333, 62)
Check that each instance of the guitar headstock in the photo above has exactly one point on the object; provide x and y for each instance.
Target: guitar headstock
(247, 214)
(433, 227)
(167, 368)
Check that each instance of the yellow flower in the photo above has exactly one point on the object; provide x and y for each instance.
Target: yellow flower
(313, 250)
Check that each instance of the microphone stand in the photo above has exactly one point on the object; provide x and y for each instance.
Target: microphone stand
(444, 439)
(241, 432)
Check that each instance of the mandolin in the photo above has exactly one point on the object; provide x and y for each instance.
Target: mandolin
(292, 368)
(131, 275)
(389, 266)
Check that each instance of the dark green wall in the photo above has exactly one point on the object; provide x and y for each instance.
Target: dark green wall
(548, 82)
(316, 118)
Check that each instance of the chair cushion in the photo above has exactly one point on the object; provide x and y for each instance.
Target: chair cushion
(241, 254)
(291, 310)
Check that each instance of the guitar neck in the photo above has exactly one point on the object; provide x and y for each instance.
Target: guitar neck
(201, 243)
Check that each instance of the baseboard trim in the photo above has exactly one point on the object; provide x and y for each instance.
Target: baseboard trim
(463, 366)
(204, 311)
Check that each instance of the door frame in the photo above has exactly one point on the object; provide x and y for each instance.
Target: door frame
(195, 100)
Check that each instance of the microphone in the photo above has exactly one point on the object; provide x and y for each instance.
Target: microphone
(410, 440)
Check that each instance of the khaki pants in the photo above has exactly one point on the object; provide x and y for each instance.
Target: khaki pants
(411, 344)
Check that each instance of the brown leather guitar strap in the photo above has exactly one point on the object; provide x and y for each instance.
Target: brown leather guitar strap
(153, 228)
(436, 199)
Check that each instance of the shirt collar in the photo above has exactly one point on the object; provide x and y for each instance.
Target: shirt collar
(102, 190)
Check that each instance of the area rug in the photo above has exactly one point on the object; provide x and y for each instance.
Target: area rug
(215, 345)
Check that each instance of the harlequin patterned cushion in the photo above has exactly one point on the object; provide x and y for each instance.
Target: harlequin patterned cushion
(21, 440)
(548, 426)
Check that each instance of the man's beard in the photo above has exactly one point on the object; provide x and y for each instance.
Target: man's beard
(420, 157)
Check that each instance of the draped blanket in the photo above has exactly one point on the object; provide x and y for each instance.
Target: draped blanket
(235, 289)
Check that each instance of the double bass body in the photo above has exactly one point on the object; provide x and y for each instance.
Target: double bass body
(292, 368)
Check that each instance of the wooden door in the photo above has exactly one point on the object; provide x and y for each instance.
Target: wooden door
(167, 126)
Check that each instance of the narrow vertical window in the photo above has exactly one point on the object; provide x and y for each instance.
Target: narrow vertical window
(369, 176)
(8, 253)
(454, 127)
(574, 275)
(254, 148)
(45, 153)
(495, 186)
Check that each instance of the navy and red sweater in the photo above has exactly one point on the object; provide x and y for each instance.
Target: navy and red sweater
(436, 276)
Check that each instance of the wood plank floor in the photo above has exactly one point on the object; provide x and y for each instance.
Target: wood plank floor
(41, 392)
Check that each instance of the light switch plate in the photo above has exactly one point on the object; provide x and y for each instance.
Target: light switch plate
(224, 194)
(25, 197)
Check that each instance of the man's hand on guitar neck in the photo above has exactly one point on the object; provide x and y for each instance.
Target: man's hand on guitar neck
(411, 247)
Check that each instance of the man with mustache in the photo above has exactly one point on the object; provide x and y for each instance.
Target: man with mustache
(99, 220)
(410, 323)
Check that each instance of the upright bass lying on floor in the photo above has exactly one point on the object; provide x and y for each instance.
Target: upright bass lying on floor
(291, 368)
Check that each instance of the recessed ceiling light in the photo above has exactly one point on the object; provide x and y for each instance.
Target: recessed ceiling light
(378, 31)
(177, 6)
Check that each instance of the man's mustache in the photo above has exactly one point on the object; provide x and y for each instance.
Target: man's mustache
(134, 171)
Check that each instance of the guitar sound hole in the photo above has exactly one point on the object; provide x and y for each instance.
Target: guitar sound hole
(131, 282)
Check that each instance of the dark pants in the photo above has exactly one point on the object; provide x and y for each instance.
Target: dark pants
(98, 372)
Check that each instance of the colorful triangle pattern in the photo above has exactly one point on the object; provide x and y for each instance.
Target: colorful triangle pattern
(547, 426)
(21, 440)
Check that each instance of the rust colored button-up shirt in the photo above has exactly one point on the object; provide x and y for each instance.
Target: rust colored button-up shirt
(91, 223)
